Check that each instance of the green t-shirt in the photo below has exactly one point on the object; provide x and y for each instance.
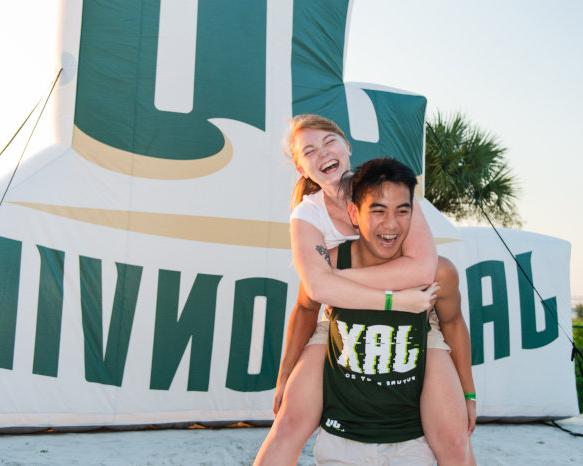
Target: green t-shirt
(373, 372)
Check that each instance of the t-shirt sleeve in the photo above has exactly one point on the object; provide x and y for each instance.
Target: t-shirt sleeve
(308, 212)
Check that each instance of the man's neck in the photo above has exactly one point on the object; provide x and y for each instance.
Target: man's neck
(362, 256)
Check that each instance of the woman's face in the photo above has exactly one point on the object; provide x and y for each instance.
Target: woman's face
(321, 155)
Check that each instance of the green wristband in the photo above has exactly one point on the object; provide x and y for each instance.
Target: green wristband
(470, 396)
(388, 300)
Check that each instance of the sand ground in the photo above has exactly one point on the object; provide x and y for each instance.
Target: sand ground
(494, 444)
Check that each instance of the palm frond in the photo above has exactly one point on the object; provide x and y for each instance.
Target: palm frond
(466, 171)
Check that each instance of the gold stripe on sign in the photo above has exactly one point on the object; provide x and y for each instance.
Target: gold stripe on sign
(128, 163)
(438, 240)
(239, 232)
(420, 187)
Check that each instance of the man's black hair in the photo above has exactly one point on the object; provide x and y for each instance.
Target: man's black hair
(373, 174)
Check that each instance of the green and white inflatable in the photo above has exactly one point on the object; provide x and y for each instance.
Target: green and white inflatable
(145, 271)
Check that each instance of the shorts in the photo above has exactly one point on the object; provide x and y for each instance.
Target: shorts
(320, 335)
(331, 450)
(434, 337)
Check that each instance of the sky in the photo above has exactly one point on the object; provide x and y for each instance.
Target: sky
(513, 68)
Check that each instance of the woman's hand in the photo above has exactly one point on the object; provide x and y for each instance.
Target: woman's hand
(415, 300)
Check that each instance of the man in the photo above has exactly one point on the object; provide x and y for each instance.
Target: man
(375, 365)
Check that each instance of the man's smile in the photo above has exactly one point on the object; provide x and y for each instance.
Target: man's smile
(387, 239)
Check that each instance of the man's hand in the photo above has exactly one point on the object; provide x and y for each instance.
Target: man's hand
(471, 406)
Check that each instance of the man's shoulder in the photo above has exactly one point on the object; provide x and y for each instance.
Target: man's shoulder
(446, 270)
(447, 277)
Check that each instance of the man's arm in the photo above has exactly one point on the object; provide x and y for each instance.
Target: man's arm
(301, 326)
(455, 332)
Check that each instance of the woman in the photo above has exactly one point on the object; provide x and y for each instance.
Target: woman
(320, 152)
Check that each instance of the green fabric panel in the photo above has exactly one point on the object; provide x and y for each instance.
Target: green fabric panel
(107, 369)
(10, 258)
(401, 119)
(245, 292)
(317, 59)
(117, 74)
(497, 312)
(230, 62)
(172, 334)
(318, 87)
(49, 312)
(531, 337)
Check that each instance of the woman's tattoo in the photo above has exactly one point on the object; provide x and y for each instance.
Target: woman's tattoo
(324, 253)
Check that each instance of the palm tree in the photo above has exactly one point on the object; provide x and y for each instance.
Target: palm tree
(466, 174)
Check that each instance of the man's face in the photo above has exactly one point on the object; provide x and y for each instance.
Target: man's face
(383, 219)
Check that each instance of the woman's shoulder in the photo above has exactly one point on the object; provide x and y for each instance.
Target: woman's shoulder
(311, 203)
(316, 199)
(312, 210)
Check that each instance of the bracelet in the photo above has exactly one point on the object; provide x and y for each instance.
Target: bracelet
(470, 396)
(388, 300)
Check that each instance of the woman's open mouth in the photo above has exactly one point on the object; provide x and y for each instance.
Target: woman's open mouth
(329, 166)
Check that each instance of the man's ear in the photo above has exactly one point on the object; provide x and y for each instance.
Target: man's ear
(353, 213)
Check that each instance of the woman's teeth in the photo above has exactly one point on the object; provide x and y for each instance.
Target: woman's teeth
(328, 166)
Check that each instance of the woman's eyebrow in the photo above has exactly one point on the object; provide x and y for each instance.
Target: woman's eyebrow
(324, 139)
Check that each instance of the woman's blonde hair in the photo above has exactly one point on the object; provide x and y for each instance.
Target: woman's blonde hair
(305, 186)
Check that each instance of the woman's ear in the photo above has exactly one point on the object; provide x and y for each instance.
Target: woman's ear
(353, 213)
(301, 171)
